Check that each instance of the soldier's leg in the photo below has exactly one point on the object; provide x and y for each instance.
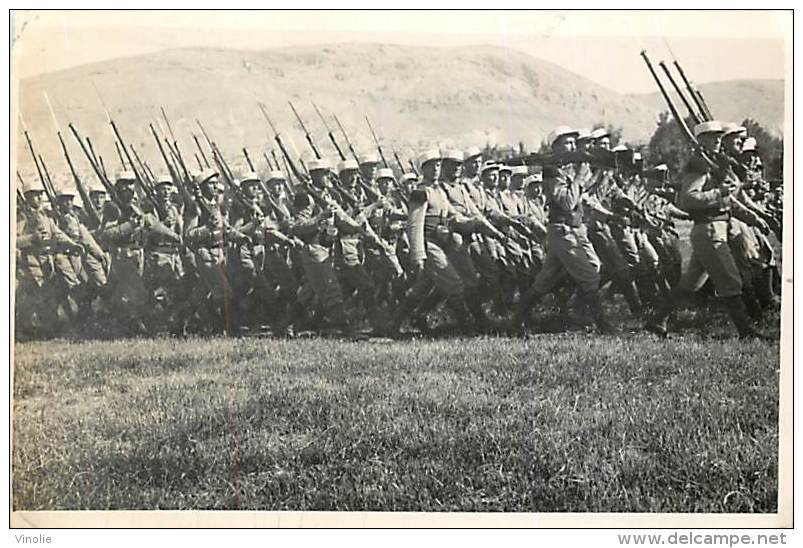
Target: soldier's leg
(548, 278)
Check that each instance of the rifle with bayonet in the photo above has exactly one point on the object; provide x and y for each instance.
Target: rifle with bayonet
(376, 141)
(49, 192)
(79, 185)
(330, 133)
(307, 134)
(279, 141)
(138, 175)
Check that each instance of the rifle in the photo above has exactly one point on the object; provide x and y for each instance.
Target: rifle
(330, 133)
(120, 155)
(20, 196)
(346, 137)
(248, 160)
(695, 96)
(280, 142)
(48, 191)
(95, 167)
(680, 93)
(415, 170)
(687, 134)
(171, 169)
(228, 175)
(90, 207)
(52, 190)
(201, 150)
(398, 161)
(307, 134)
(137, 175)
(376, 140)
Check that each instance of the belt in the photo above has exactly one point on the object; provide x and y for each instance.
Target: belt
(702, 218)
(164, 249)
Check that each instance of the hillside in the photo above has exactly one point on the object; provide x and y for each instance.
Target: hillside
(736, 100)
(415, 96)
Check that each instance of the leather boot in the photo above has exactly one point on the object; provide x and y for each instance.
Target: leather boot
(431, 302)
(521, 319)
(458, 307)
(738, 314)
(628, 288)
(594, 304)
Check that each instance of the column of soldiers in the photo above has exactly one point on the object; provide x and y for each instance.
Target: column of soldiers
(353, 247)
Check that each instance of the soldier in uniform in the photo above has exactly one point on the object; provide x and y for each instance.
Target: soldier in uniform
(369, 164)
(81, 273)
(38, 237)
(316, 233)
(210, 232)
(164, 264)
(569, 252)
(706, 194)
(428, 228)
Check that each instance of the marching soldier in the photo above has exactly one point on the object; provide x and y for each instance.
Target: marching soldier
(706, 194)
(38, 237)
(569, 252)
(209, 232)
(82, 272)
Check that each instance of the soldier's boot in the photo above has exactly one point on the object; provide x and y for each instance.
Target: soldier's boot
(628, 288)
(433, 300)
(521, 319)
(473, 300)
(658, 324)
(738, 314)
(406, 307)
(285, 326)
(765, 292)
(647, 287)
(751, 303)
(594, 303)
(343, 323)
(458, 306)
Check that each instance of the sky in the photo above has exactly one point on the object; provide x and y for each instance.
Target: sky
(602, 46)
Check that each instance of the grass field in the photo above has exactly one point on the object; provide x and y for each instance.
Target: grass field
(570, 422)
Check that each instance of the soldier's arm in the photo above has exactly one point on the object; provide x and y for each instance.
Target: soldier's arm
(89, 242)
(693, 197)
(561, 192)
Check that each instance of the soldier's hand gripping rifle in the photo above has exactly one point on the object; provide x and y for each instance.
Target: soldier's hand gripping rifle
(79, 185)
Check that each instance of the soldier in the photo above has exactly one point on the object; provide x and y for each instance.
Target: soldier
(127, 236)
(569, 252)
(610, 233)
(209, 232)
(164, 265)
(369, 164)
(82, 274)
(316, 233)
(349, 256)
(38, 236)
(706, 194)
(428, 229)
(382, 254)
